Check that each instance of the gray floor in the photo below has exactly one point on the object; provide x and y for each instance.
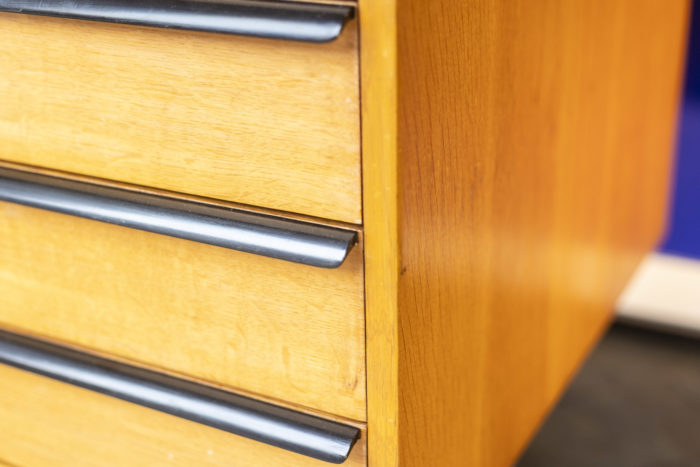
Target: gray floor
(635, 403)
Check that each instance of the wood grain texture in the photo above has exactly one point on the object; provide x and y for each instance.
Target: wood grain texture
(256, 121)
(48, 423)
(287, 331)
(532, 156)
(380, 178)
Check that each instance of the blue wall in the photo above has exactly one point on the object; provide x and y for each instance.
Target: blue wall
(684, 230)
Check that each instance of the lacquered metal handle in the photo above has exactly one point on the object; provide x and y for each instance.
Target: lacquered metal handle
(262, 234)
(261, 18)
(285, 428)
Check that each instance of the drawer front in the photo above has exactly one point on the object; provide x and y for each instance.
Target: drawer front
(49, 423)
(265, 122)
(284, 330)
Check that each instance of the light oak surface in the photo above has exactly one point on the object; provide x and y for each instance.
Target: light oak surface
(283, 330)
(380, 178)
(522, 174)
(48, 423)
(256, 121)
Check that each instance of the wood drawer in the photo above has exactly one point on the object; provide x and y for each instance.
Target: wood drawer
(287, 331)
(49, 423)
(263, 122)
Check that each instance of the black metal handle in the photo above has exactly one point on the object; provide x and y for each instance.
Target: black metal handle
(300, 242)
(261, 18)
(285, 428)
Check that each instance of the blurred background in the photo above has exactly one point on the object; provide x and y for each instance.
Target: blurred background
(636, 401)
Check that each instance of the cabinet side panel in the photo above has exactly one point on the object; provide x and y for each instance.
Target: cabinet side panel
(534, 141)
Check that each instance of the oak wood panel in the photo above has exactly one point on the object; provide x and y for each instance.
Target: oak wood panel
(256, 121)
(183, 196)
(48, 423)
(283, 330)
(380, 184)
(532, 159)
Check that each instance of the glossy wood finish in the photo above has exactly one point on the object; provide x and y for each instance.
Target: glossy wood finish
(287, 331)
(47, 423)
(527, 177)
(256, 121)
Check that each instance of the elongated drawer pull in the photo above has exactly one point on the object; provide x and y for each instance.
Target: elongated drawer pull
(262, 234)
(278, 426)
(306, 22)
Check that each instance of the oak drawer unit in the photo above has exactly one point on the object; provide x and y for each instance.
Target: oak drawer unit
(269, 326)
(266, 232)
(67, 416)
(265, 122)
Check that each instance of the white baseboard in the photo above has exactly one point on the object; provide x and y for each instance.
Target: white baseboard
(665, 291)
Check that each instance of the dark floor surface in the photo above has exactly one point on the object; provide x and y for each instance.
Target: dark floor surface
(635, 403)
